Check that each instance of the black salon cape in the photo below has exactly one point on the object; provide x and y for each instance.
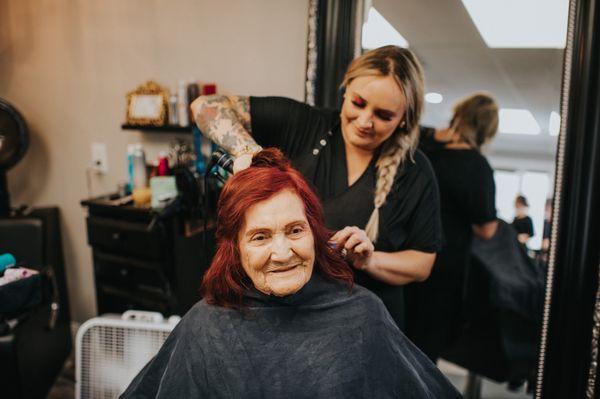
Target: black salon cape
(322, 342)
(311, 137)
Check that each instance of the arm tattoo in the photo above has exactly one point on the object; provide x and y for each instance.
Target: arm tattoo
(241, 106)
(226, 121)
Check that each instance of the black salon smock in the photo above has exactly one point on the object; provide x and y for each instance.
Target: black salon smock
(467, 194)
(322, 342)
(312, 139)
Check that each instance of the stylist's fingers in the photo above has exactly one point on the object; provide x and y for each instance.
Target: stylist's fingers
(364, 248)
(242, 162)
(362, 255)
(340, 237)
(352, 242)
(356, 236)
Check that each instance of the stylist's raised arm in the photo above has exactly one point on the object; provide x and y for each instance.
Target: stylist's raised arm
(378, 191)
(226, 121)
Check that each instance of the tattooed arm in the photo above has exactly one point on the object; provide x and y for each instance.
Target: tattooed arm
(226, 121)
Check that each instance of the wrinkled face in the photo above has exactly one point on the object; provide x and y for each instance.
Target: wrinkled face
(276, 245)
(373, 108)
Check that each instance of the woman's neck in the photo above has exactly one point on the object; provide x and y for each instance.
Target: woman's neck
(451, 139)
(357, 161)
(443, 135)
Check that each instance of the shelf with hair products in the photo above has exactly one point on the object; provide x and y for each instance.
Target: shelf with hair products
(153, 256)
(158, 129)
(169, 113)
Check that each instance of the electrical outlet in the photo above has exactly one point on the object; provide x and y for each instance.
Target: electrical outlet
(99, 158)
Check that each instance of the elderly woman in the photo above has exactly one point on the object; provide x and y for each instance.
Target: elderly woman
(378, 191)
(280, 315)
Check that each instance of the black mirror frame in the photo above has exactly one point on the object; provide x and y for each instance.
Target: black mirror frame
(568, 366)
(569, 347)
(333, 44)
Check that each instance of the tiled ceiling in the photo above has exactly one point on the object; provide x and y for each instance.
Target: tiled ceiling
(457, 62)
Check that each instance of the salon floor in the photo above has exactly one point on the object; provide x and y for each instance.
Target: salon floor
(64, 388)
(489, 389)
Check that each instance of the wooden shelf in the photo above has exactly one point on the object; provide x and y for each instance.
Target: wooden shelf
(164, 128)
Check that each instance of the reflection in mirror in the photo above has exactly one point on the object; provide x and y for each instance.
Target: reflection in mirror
(479, 314)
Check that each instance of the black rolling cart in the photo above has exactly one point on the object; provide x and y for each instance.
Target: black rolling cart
(145, 262)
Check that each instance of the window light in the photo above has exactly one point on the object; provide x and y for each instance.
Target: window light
(520, 23)
(518, 121)
(507, 189)
(535, 186)
(377, 32)
(554, 125)
(434, 98)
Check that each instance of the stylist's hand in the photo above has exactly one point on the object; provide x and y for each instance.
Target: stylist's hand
(359, 249)
(242, 162)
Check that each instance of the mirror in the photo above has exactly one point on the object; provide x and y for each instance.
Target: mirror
(513, 51)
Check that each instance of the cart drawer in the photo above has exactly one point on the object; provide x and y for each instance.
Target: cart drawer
(144, 277)
(125, 238)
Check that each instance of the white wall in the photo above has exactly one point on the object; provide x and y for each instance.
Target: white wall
(66, 65)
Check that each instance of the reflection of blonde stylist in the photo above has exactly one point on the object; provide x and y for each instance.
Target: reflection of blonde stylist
(378, 191)
(467, 194)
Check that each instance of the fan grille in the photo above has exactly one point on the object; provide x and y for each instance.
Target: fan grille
(112, 356)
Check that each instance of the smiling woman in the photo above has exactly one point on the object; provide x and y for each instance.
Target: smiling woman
(378, 191)
(373, 108)
(298, 327)
(277, 248)
(271, 234)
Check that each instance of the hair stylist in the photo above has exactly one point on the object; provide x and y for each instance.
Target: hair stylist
(468, 207)
(378, 191)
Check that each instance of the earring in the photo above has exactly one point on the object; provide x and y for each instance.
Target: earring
(403, 125)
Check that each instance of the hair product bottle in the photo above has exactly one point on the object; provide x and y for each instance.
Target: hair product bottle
(182, 104)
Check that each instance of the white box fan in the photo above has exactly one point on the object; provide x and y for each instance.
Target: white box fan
(110, 350)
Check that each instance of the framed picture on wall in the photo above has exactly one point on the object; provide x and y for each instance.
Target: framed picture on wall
(147, 105)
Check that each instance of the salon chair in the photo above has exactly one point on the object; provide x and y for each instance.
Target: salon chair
(33, 351)
(503, 311)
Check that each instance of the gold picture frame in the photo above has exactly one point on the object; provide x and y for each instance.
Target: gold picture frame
(147, 105)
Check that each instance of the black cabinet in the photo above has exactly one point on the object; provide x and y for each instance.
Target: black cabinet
(143, 264)
(36, 341)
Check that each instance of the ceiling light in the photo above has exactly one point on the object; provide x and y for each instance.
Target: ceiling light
(520, 23)
(377, 32)
(554, 125)
(518, 121)
(434, 98)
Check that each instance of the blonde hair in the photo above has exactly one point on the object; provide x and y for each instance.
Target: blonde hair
(404, 67)
(475, 119)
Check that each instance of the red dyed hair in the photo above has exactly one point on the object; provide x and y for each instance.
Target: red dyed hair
(225, 281)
